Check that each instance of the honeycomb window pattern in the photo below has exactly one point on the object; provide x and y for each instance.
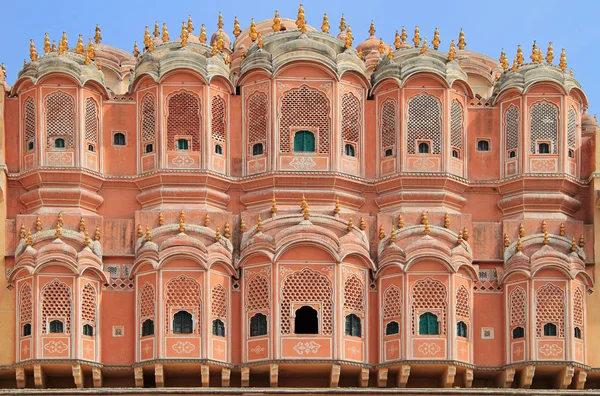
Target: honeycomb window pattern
(424, 122)
(463, 308)
(25, 304)
(29, 120)
(307, 285)
(217, 122)
(511, 127)
(60, 118)
(88, 305)
(183, 293)
(550, 308)
(354, 294)
(257, 120)
(572, 127)
(56, 303)
(91, 120)
(517, 307)
(257, 294)
(388, 125)
(544, 125)
(148, 113)
(184, 119)
(429, 293)
(147, 302)
(456, 124)
(351, 121)
(307, 109)
(218, 302)
(392, 302)
(578, 308)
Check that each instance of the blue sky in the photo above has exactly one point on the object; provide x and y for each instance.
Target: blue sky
(489, 26)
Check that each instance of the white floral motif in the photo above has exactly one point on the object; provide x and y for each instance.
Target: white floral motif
(354, 350)
(429, 348)
(283, 271)
(219, 350)
(56, 347)
(257, 350)
(25, 350)
(183, 347)
(423, 164)
(147, 348)
(392, 349)
(183, 161)
(303, 163)
(550, 350)
(306, 348)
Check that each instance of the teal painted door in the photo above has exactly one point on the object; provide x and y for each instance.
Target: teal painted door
(304, 142)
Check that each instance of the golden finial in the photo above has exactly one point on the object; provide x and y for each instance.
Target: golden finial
(506, 240)
(372, 29)
(359, 54)
(181, 225)
(390, 54)
(381, 47)
(336, 210)
(236, 27)
(61, 47)
(417, 37)
(515, 65)
(550, 54)
(400, 222)
(397, 41)
(60, 218)
(57, 234)
(300, 22)
(521, 230)
(534, 52)
(461, 40)
(381, 232)
(82, 225)
(259, 224)
(423, 217)
(350, 224)
(220, 41)
(148, 235)
(220, 21)
(207, 220)
(424, 47)
(97, 36)
(349, 38)
(218, 234)
(46, 43)
(259, 42)
(362, 225)
(165, 33)
(227, 61)
(156, 31)
(503, 60)
(303, 203)
(540, 56)
(451, 52)
(306, 213)
(99, 65)
(140, 232)
(79, 46)
(573, 245)
(184, 35)
(571, 74)
(393, 235)
(403, 36)
(546, 239)
(544, 226)
(342, 24)
(28, 240)
(563, 60)
(161, 219)
(38, 224)
(22, 232)
(136, 50)
(426, 227)
(465, 234)
(253, 34)
(202, 37)
(436, 39)
(32, 51)
(190, 25)
(215, 50)
(581, 241)
(182, 216)
(91, 50)
(147, 38)
(459, 240)
(325, 24)
(562, 229)
(53, 48)
(226, 230)
(86, 61)
(304, 28)
(243, 226)
(276, 22)
(519, 247)
(520, 58)
(273, 205)
(446, 221)
(24, 63)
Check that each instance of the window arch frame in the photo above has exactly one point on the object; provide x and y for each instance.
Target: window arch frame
(430, 322)
(518, 332)
(147, 328)
(353, 325)
(54, 328)
(183, 316)
(462, 329)
(550, 330)
(311, 328)
(258, 322)
(218, 328)
(117, 141)
(392, 328)
(306, 134)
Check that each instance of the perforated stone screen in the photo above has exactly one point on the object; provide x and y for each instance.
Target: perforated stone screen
(147, 302)
(184, 119)
(88, 305)
(392, 302)
(56, 303)
(511, 127)
(148, 113)
(354, 294)
(429, 293)
(183, 293)
(217, 122)
(578, 307)
(456, 124)
(257, 294)
(25, 304)
(424, 122)
(29, 120)
(60, 118)
(91, 121)
(219, 302)
(544, 124)
(257, 116)
(388, 125)
(351, 120)
(517, 307)
(550, 308)
(572, 127)
(463, 307)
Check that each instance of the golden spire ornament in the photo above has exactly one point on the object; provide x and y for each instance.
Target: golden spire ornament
(562, 229)
(424, 47)
(181, 218)
(397, 41)
(226, 230)
(381, 47)
(325, 24)
(573, 245)
(165, 33)
(350, 224)
(38, 224)
(521, 230)
(79, 46)
(534, 52)
(147, 38)
(53, 48)
(86, 61)
(506, 240)
(550, 54)
(515, 65)
(202, 36)
(82, 225)
(306, 213)
(544, 226)
(400, 222)
(417, 37)
(156, 31)
(465, 234)
(28, 240)
(451, 52)
(563, 60)
(461, 40)
(61, 47)
(436, 39)
(91, 50)
(22, 231)
(253, 33)
(243, 226)
(336, 210)
(446, 221)
(46, 43)
(540, 56)
(424, 217)
(349, 38)
(303, 203)
(136, 50)
(57, 234)
(218, 234)
(362, 225)
(97, 36)
(161, 219)
(459, 240)
(581, 241)
(274, 205)
(140, 232)
(220, 21)
(571, 74)
(32, 51)
(276, 22)
(427, 227)
(236, 27)
(259, 224)
(148, 235)
(546, 239)
(184, 35)
(207, 220)
(403, 36)
(519, 247)
(393, 235)
(503, 60)
(259, 42)
(215, 50)
(300, 22)
(381, 232)
(60, 220)
(304, 28)
(372, 29)
(390, 54)
(342, 24)
(190, 25)
(520, 58)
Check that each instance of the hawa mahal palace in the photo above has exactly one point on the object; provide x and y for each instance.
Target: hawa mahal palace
(285, 208)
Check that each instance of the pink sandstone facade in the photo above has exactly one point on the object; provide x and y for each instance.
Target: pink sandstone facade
(286, 209)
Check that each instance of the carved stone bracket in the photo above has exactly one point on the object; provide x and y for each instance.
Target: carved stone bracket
(403, 375)
(21, 377)
(526, 377)
(245, 376)
(363, 378)
(39, 378)
(506, 378)
(138, 374)
(447, 378)
(273, 375)
(159, 375)
(334, 380)
(77, 375)
(205, 375)
(382, 376)
(97, 377)
(225, 377)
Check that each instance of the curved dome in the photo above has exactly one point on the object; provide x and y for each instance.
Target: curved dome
(215, 37)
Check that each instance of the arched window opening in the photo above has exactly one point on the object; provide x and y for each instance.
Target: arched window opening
(518, 332)
(307, 321)
(91, 148)
(149, 148)
(483, 145)
(218, 149)
(428, 324)
(147, 327)
(304, 142)
(455, 154)
(59, 143)
(512, 154)
(257, 149)
(56, 326)
(30, 145)
(349, 150)
(549, 330)
(353, 327)
(88, 330)
(571, 153)
(183, 144)
(389, 152)
(258, 325)
(183, 323)
(119, 139)
(423, 148)
(578, 333)
(543, 148)
(392, 328)
(461, 329)
(26, 329)
(218, 328)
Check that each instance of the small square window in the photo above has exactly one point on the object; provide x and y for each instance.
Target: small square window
(483, 145)
(119, 139)
(543, 148)
(91, 148)
(149, 148)
(30, 145)
(183, 144)
(389, 152)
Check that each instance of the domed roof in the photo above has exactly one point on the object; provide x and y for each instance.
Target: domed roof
(372, 43)
(215, 38)
(588, 121)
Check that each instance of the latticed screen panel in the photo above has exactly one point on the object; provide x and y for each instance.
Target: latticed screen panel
(217, 123)
(456, 124)
(550, 308)
(29, 120)
(309, 286)
(91, 120)
(463, 308)
(572, 128)
(56, 303)
(147, 301)
(25, 304)
(429, 294)
(388, 125)
(218, 302)
(392, 302)
(517, 307)
(148, 112)
(184, 119)
(305, 108)
(424, 122)
(511, 128)
(60, 118)
(578, 308)
(544, 125)
(257, 295)
(88, 305)
(257, 116)
(354, 294)
(351, 123)
(183, 293)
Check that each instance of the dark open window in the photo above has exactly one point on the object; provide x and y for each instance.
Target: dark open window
(512, 154)
(218, 149)
(257, 149)
(349, 150)
(304, 142)
(258, 325)
(91, 148)
(423, 148)
(550, 330)
(182, 323)
(56, 326)
(119, 139)
(455, 154)
(59, 143)
(88, 330)
(26, 329)
(543, 148)
(483, 145)
(518, 332)
(30, 145)
(147, 327)
(428, 324)
(461, 329)
(353, 325)
(577, 332)
(182, 144)
(307, 321)
(392, 328)
(218, 328)
(571, 153)
(149, 148)
(389, 152)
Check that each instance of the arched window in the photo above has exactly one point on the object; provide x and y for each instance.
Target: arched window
(91, 148)
(182, 144)
(59, 143)
(455, 154)
(27, 330)
(389, 152)
(218, 328)
(512, 154)
(182, 323)
(518, 332)
(543, 148)
(304, 142)
(353, 327)
(218, 149)
(257, 149)
(461, 329)
(428, 324)
(577, 332)
(30, 146)
(349, 150)
(392, 328)
(147, 327)
(56, 326)
(423, 148)
(88, 330)
(119, 139)
(483, 145)
(550, 330)
(571, 153)
(307, 321)
(258, 325)
(149, 148)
